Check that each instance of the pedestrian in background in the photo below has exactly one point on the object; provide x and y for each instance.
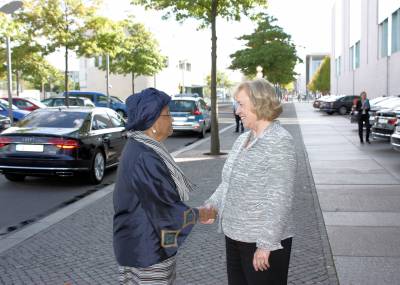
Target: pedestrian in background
(237, 118)
(363, 108)
(254, 199)
(151, 221)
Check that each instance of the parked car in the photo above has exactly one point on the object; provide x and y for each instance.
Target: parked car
(190, 114)
(385, 123)
(100, 100)
(17, 113)
(388, 104)
(341, 104)
(62, 101)
(63, 142)
(5, 123)
(395, 139)
(27, 104)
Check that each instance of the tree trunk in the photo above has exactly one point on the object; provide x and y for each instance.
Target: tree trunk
(215, 148)
(66, 77)
(17, 82)
(43, 96)
(133, 83)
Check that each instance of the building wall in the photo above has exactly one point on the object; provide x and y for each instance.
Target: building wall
(377, 76)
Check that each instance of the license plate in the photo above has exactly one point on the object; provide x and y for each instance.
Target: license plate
(29, 147)
(382, 121)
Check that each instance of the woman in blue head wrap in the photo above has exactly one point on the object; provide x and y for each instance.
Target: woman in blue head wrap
(151, 220)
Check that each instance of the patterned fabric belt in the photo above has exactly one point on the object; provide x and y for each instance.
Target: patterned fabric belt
(163, 273)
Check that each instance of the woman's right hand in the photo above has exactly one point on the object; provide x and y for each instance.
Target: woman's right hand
(207, 214)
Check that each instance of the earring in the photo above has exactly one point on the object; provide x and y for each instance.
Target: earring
(154, 131)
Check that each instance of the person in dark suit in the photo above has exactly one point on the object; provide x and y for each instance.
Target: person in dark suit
(363, 108)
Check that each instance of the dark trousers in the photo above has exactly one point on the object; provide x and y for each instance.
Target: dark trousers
(239, 259)
(238, 120)
(361, 120)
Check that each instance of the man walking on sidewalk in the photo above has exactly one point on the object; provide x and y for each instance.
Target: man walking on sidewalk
(363, 107)
(237, 118)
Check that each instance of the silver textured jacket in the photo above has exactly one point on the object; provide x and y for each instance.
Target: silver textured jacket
(255, 197)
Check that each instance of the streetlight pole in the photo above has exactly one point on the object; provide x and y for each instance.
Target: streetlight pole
(9, 7)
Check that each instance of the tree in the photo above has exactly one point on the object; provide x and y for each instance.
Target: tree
(60, 22)
(222, 81)
(207, 12)
(321, 80)
(138, 54)
(269, 47)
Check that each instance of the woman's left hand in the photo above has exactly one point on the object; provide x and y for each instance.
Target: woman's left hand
(261, 259)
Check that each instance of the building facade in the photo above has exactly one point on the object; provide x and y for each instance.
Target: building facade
(366, 47)
(313, 62)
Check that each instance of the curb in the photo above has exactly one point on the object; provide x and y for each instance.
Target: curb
(16, 238)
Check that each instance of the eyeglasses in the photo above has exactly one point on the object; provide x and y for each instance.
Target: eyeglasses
(168, 115)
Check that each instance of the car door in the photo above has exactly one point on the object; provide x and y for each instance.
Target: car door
(118, 131)
(102, 130)
(102, 101)
(206, 112)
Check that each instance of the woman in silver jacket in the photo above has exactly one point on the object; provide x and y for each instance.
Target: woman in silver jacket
(254, 199)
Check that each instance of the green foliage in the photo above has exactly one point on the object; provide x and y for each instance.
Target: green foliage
(269, 47)
(206, 11)
(321, 81)
(222, 82)
(139, 52)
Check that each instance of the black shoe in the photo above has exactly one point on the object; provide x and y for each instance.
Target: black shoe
(236, 131)
(362, 142)
(242, 130)
(368, 142)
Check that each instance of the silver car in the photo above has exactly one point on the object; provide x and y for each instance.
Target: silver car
(190, 114)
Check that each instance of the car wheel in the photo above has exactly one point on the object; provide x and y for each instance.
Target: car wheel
(98, 168)
(121, 113)
(15, 177)
(343, 110)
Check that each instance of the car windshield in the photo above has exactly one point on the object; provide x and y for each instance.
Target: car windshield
(53, 119)
(37, 103)
(4, 103)
(182, 106)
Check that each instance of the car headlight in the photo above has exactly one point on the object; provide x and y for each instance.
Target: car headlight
(397, 129)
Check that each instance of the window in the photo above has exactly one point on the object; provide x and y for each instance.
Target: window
(383, 39)
(188, 66)
(22, 104)
(351, 58)
(357, 55)
(396, 31)
(101, 122)
(53, 119)
(116, 120)
(182, 106)
(102, 99)
(338, 65)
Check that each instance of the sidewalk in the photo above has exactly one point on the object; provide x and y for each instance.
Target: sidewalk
(359, 191)
(77, 248)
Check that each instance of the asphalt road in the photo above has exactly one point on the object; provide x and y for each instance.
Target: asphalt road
(22, 203)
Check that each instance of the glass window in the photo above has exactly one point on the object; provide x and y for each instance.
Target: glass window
(102, 99)
(357, 55)
(60, 102)
(351, 58)
(22, 104)
(53, 119)
(338, 65)
(182, 106)
(383, 39)
(116, 120)
(101, 122)
(396, 31)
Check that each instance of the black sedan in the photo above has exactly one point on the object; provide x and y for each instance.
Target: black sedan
(5, 123)
(341, 104)
(63, 142)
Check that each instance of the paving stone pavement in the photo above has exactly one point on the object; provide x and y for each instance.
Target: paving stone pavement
(78, 250)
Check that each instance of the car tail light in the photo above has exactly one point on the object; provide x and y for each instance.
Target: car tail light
(392, 122)
(5, 141)
(196, 112)
(64, 143)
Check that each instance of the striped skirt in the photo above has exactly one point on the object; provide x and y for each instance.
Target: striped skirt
(163, 273)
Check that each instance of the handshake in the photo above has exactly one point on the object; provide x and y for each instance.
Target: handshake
(207, 214)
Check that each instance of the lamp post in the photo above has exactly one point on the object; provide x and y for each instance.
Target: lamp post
(9, 7)
(259, 70)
